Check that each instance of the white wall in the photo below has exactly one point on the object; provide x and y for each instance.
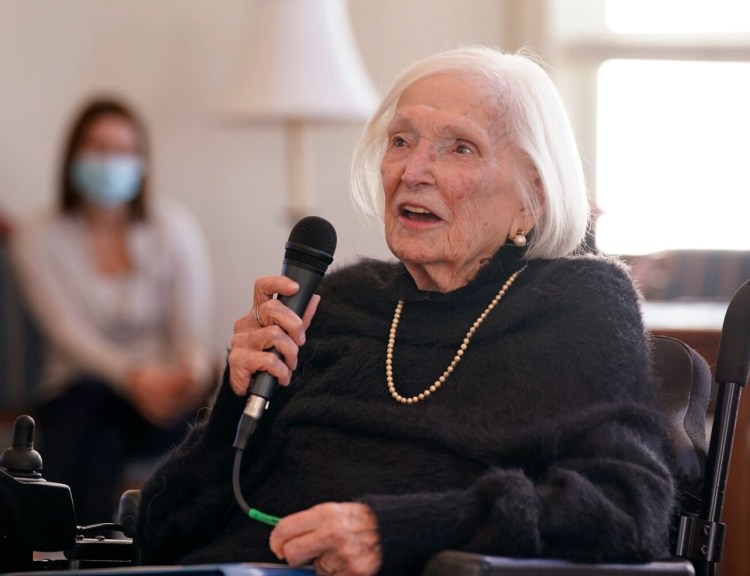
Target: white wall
(173, 59)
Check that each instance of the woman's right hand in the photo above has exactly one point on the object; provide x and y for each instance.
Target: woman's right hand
(269, 324)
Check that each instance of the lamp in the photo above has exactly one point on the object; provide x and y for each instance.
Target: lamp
(301, 67)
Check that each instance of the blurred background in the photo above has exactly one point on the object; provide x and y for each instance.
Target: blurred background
(176, 61)
(657, 91)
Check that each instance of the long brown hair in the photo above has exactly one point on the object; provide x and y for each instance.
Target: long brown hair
(70, 200)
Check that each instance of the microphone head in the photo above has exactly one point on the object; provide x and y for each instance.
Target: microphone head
(315, 232)
(311, 244)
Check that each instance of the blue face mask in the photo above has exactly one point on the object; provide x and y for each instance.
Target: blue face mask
(107, 180)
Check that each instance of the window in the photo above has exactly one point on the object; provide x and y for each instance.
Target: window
(678, 16)
(660, 93)
(673, 155)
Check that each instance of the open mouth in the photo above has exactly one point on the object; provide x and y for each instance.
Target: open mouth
(418, 214)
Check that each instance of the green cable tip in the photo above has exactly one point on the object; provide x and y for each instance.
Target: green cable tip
(263, 517)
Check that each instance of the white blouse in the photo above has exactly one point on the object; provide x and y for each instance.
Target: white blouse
(158, 313)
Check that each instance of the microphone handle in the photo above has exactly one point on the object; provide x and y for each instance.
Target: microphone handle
(264, 384)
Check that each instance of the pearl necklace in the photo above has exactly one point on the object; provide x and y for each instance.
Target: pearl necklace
(456, 359)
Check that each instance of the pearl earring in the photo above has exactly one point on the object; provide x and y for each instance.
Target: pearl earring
(519, 239)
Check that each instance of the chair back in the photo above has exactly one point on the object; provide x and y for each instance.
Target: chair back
(21, 348)
(686, 380)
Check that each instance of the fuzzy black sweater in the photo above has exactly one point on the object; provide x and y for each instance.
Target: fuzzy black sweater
(543, 442)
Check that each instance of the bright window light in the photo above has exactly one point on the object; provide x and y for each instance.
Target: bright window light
(678, 16)
(673, 156)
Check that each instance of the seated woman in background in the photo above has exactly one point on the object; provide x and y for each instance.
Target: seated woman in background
(490, 391)
(120, 286)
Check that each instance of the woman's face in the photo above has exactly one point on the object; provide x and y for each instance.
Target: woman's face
(107, 169)
(449, 181)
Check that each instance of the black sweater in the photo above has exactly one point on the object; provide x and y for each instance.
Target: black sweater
(543, 442)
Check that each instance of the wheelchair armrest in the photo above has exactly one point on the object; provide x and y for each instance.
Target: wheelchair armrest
(127, 511)
(452, 563)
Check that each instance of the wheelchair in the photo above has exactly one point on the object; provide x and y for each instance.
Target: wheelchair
(37, 518)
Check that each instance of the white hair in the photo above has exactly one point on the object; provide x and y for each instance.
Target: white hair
(538, 127)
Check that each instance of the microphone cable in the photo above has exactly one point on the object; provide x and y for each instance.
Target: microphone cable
(252, 513)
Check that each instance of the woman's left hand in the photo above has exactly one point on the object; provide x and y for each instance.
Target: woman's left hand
(162, 394)
(338, 538)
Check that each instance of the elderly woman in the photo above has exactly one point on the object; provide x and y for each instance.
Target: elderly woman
(488, 392)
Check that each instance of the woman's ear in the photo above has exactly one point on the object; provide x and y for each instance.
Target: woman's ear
(522, 223)
(538, 189)
(526, 218)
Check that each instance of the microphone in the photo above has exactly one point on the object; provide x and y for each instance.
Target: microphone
(309, 252)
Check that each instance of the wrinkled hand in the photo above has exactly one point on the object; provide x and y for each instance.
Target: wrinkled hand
(339, 538)
(269, 324)
(161, 395)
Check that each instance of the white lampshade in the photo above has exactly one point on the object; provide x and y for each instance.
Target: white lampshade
(301, 65)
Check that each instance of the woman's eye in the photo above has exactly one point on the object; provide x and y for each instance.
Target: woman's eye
(464, 149)
(398, 142)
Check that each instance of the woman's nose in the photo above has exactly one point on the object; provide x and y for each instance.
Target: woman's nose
(419, 165)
